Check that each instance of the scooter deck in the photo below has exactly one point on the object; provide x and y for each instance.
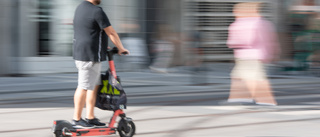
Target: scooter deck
(89, 131)
(76, 127)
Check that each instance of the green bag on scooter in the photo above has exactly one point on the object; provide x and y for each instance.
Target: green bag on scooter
(111, 95)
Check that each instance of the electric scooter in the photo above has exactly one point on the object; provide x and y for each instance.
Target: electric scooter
(125, 127)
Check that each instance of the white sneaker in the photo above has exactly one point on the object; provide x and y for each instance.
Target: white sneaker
(241, 100)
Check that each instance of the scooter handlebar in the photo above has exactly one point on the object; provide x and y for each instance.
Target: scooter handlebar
(124, 53)
(115, 50)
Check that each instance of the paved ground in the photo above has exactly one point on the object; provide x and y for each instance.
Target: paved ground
(176, 104)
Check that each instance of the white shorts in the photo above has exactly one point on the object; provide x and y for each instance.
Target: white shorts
(88, 74)
(249, 70)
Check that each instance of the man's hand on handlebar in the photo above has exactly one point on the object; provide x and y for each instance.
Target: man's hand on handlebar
(123, 51)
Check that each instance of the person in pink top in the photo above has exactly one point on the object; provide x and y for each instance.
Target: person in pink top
(254, 43)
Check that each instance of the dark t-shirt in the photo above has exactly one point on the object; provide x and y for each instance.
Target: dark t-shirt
(90, 41)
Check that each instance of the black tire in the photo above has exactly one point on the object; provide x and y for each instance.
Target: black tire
(59, 127)
(58, 134)
(126, 129)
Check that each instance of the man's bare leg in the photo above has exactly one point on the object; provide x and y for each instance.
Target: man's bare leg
(79, 102)
(91, 101)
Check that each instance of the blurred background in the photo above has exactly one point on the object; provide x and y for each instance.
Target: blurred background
(184, 42)
(36, 35)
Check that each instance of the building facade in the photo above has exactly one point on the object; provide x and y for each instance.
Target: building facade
(36, 35)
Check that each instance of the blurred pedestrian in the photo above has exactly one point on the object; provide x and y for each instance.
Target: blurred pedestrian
(194, 50)
(194, 57)
(91, 31)
(138, 58)
(254, 43)
(163, 49)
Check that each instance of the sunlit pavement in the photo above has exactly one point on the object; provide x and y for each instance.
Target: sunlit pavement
(180, 121)
(166, 105)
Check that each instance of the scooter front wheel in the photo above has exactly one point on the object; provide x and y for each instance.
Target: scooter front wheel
(126, 128)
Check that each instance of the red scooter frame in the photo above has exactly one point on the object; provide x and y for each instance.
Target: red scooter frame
(126, 128)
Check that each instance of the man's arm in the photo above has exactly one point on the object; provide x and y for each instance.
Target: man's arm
(114, 37)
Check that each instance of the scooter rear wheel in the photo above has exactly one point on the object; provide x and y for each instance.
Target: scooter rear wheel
(58, 134)
(59, 127)
(126, 128)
